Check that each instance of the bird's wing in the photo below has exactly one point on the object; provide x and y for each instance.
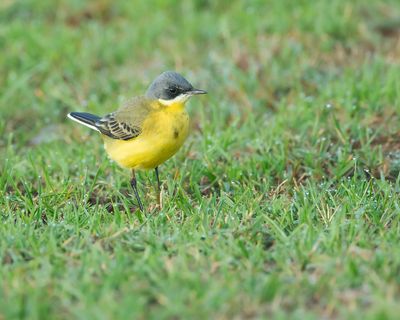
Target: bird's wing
(125, 123)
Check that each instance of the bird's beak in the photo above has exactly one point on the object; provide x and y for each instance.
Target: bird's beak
(196, 91)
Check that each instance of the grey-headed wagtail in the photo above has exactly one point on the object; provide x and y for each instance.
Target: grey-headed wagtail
(146, 130)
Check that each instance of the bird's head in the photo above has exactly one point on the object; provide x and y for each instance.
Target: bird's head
(171, 88)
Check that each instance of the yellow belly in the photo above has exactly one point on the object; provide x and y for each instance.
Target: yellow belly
(163, 133)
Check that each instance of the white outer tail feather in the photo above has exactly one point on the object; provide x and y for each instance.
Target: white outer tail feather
(84, 123)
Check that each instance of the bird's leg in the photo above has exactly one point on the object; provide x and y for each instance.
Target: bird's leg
(158, 179)
(135, 190)
(158, 187)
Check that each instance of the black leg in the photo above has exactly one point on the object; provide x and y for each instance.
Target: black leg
(135, 190)
(158, 180)
(159, 187)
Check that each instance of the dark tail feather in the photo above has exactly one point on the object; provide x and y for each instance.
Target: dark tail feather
(84, 118)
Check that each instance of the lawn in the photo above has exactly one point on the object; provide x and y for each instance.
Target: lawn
(284, 201)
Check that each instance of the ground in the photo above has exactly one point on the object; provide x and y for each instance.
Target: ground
(284, 201)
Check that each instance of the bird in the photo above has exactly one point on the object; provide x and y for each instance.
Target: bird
(146, 130)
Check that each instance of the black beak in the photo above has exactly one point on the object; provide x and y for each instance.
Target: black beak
(197, 91)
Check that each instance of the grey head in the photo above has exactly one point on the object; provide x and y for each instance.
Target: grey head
(171, 86)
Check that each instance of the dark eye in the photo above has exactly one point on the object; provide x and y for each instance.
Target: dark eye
(173, 90)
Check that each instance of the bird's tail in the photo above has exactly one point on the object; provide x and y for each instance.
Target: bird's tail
(87, 119)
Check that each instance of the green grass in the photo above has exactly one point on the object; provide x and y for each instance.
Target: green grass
(284, 201)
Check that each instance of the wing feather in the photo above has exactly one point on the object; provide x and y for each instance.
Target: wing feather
(125, 123)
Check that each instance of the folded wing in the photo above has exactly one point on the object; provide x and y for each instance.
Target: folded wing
(123, 124)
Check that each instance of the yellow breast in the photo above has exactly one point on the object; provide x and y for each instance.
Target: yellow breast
(163, 133)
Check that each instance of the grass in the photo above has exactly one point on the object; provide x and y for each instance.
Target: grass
(283, 203)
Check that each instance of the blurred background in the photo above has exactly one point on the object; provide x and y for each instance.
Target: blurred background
(302, 112)
(255, 57)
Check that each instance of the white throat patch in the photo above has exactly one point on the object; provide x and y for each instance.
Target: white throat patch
(182, 98)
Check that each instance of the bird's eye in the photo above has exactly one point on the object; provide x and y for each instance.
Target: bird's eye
(173, 90)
